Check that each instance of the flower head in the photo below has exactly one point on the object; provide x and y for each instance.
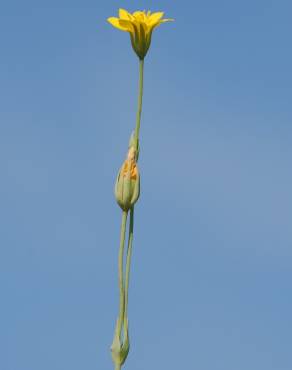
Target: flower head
(140, 26)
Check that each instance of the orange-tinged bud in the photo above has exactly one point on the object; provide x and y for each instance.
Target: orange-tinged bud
(127, 187)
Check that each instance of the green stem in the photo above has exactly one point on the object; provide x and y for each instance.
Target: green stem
(140, 96)
(121, 283)
(124, 283)
(128, 261)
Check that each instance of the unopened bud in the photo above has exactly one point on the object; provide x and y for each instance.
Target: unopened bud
(127, 187)
(120, 350)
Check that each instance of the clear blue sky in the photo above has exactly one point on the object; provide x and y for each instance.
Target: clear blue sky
(212, 261)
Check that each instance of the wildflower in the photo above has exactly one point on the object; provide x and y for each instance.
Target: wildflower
(140, 26)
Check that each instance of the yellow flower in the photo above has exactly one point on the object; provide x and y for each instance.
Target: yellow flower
(140, 26)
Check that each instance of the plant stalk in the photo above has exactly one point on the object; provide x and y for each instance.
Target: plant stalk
(128, 261)
(121, 274)
(140, 97)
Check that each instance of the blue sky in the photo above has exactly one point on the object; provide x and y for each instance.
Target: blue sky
(211, 274)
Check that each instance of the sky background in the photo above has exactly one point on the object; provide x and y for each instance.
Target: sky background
(212, 261)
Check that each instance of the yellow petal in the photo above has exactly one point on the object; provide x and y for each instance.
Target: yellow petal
(138, 13)
(116, 23)
(158, 23)
(127, 25)
(123, 14)
(153, 25)
(140, 16)
(144, 27)
(155, 17)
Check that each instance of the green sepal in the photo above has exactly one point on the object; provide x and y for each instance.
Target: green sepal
(126, 341)
(116, 345)
(143, 44)
(127, 190)
(120, 352)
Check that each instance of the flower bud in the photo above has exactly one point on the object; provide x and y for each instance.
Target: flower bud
(120, 350)
(127, 187)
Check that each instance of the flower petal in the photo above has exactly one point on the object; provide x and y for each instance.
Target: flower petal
(123, 14)
(116, 23)
(126, 24)
(155, 17)
(158, 23)
(138, 13)
(140, 16)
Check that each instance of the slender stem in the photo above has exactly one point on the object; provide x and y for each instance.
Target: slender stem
(121, 283)
(124, 282)
(128, 261)
(140, 96)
